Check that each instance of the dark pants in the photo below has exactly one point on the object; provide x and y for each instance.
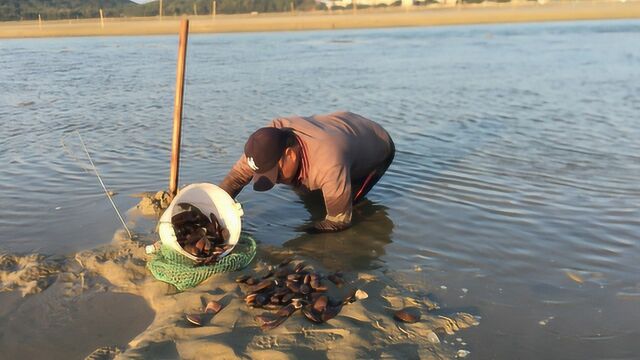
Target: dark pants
(361, 187)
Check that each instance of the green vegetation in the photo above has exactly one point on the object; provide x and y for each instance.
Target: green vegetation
(179, 7)
(72, 9)
(62, 9)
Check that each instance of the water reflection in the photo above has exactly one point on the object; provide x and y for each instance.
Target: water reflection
(357, 248)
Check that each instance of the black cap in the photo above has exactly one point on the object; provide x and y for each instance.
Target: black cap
(263, 150)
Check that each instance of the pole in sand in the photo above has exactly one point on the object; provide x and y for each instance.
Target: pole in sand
(213, 8)
(160, 10)
(101, 19)
(177, 108)
(39, 22)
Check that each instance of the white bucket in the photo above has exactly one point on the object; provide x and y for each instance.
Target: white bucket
(209, 199)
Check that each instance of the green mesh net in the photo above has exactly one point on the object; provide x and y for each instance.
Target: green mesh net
(174, 268)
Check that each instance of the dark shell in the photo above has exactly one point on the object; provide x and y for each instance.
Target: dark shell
(285, 262)
(314, 283)
(294, 277)
(320, 304)
(281, 291)
(213, 307)
(201, 244)
(286, 310)
(209, 260)
(212, 230)
(331, 312)
(408, 315)
(182, 218)
(196, 235)
(242, 278)
(268, 275)
(293, 287)
(217, 251)
(251, 281)
(350, 297)
(214, 220)
(263, 285)
(299, 267)
(184, 206)
(299, 302)
(200, 216)
(336, 280)
(195, 319)
(287, 297)
(314, 296)
(191, 249)
(282, 272)
(270, 306)
(305, 289)
(261, 299)
(250, 299)
(273, 324)
(264, 318)
(311, 314)
(207, 245)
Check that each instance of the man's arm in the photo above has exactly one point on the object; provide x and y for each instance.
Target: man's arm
(336, 191)
(238, 177)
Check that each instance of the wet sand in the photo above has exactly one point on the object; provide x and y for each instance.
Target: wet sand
(102, 301)
(47, 326)
(345, 19)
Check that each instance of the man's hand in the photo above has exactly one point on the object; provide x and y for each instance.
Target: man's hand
(327, 226)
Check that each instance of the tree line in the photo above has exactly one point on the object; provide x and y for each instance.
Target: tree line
(82, 9)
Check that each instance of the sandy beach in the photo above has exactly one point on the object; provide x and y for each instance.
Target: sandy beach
(345, 19)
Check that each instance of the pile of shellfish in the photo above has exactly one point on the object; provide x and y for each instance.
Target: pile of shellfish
(287, 289)
(200, 235)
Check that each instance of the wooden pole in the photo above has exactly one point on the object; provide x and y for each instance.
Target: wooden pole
(292, 8)
(39, 21)
(101, 19)
(213, 9)
(177, 108)
(195, 9)
(160, 10)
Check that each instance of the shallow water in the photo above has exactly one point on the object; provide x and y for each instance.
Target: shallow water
(50, 326)
(513, 194)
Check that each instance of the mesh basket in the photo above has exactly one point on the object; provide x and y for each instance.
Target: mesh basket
(174, 268)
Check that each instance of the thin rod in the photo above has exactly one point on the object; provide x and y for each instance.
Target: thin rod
(104, 187)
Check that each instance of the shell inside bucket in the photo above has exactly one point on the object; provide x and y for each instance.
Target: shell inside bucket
(208, 198)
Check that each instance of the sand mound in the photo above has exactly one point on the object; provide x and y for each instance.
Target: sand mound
(28, 274)
(153, 204)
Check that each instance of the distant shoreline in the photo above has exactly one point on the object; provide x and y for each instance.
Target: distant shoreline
(323, 20)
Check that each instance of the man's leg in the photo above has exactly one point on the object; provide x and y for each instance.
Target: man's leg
(362, 187)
